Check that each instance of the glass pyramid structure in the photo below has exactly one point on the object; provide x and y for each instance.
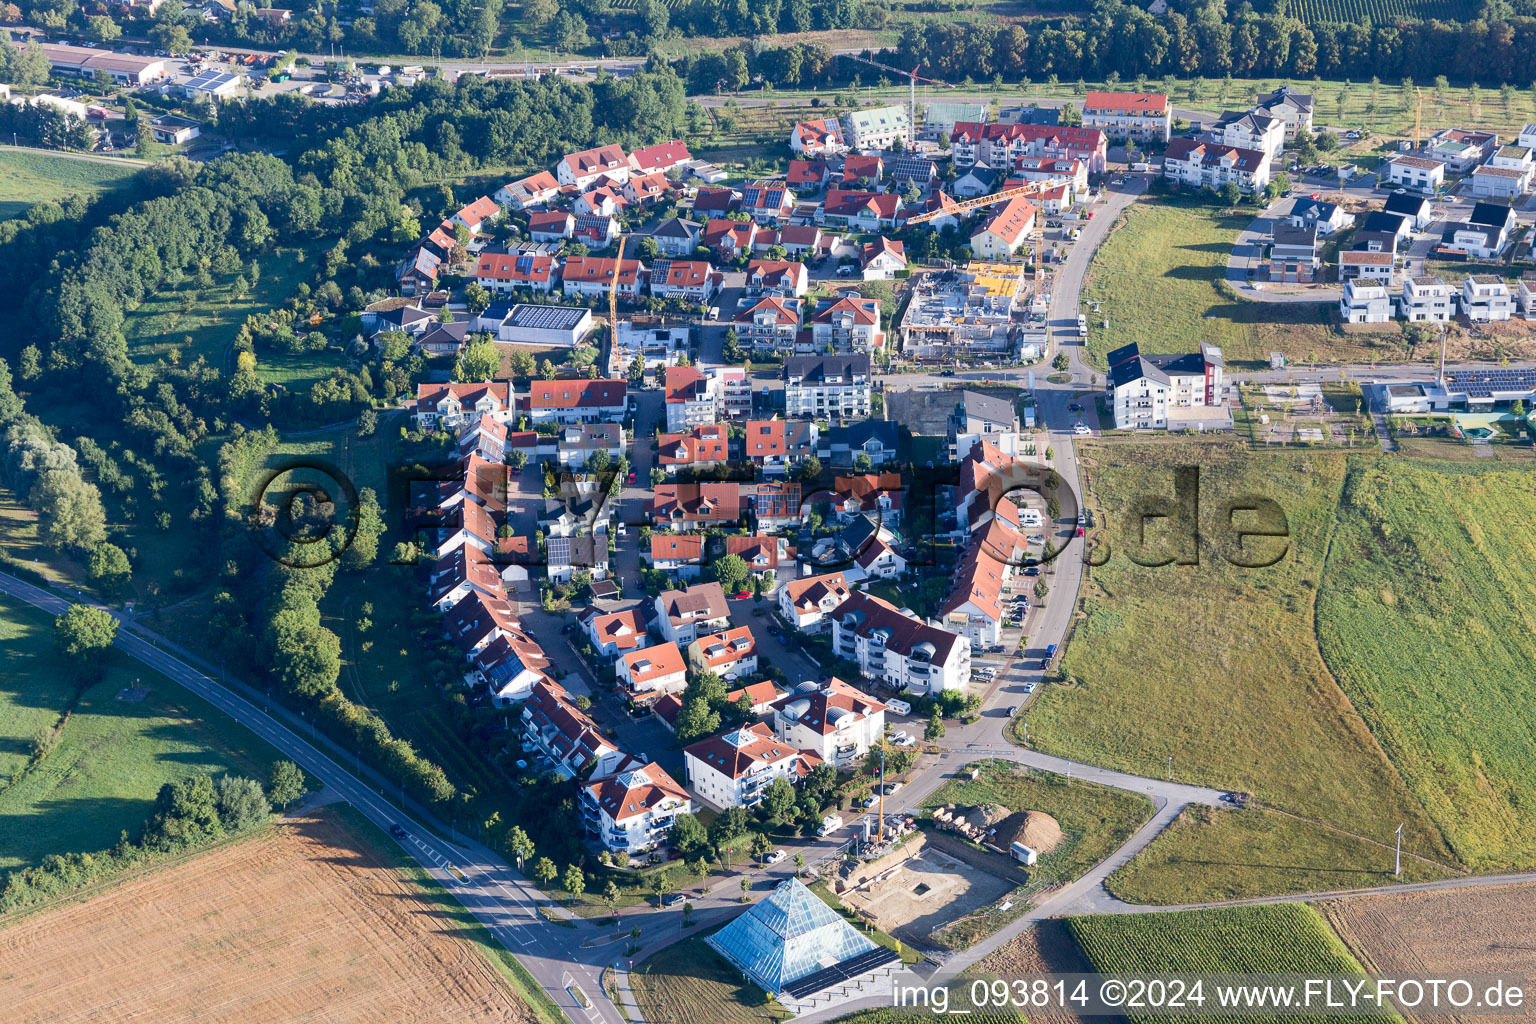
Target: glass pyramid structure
(787, 936)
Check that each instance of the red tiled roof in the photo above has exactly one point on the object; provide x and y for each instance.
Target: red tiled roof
(652, 663)
(755, 745)
(677, 547)
(647, 788)
(575, 394)
(1127, 102)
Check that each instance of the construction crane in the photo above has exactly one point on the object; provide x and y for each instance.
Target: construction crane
(912, 78)
(967, 206)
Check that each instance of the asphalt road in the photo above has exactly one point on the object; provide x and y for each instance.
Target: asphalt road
(481, 882)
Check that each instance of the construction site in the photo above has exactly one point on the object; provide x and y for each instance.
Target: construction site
(979, 311)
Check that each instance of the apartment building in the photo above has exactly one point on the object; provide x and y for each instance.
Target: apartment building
(735, 768)
(1129, 115)
(1366, 300)
(878, 128)
(684, 507)
(898, 649)
(833, 720)
(565, 735)
(632, 812)
(1211, 165)
(975, 607)
(1146, 389)
(1003, 233)
(577, 401)
(1486, 298)
(835, 386)
(771, 324)
(1426, 299)
(848, 323)
(702, 447)
(1292, 107)
(1001, 145)
(1253, 130)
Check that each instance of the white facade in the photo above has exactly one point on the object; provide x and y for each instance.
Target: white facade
(1426, 299)
(1416, 172)
(633, 811)
(734, 770)
(1365, 301)
(1485, 299)
(899, 649)
(836, 722)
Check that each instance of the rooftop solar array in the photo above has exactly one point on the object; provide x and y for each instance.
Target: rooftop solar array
(209, 80)
(547, 318)
(845, 971)
(1485, 383)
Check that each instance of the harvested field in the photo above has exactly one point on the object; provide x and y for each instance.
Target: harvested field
(1047, 948)
(1484, 930)
(301, 923)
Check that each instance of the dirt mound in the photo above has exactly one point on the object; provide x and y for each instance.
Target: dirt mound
(1035, 829)
(986, 815)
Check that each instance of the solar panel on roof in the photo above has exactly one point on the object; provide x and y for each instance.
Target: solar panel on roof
(524, 264)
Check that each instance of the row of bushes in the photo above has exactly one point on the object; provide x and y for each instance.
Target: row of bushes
(187, 815)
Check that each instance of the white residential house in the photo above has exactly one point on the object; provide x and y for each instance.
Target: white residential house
(1489, 181)
(835, 721)
(1525, 292)
(1426, 299)
(731, 655)
(897, 648)
(632, 812)
(677, 554)
(615, 633)
(735, 768)
(1416, 172)
(1362, 263)
(653, 670)
(848, 323)
(683, 616)
(1366, 300)
(1485, 298)
(806, 603)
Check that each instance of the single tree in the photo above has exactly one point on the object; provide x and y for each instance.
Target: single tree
(544, 871)
(285, 783)
(84, 632)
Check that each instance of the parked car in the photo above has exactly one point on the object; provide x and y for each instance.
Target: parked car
(904, 741)
(1033, 570)
(1081, 429)
(1030, 687)
(946, 373)
(774, 857)
(871, 800)
(1013, 711)
(741, 595)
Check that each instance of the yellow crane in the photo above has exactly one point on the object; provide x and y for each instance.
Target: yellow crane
(967, 206)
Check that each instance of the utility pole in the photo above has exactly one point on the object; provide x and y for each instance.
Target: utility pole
(1397, 860)
(1170, 767)
(880, 820)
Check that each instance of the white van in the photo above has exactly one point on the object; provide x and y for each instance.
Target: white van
(901, 707)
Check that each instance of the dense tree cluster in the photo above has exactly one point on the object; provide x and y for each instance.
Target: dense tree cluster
(1207, 38)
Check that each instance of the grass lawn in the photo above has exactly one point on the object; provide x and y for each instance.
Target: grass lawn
(1218, 666)
(1282, 939)
(1162, 273)
(204, 322)
(18, 538)
(1095, 820)
(112, 756)
(27, 178)
(689, 983)
(1426, 617)
(1208, 854)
